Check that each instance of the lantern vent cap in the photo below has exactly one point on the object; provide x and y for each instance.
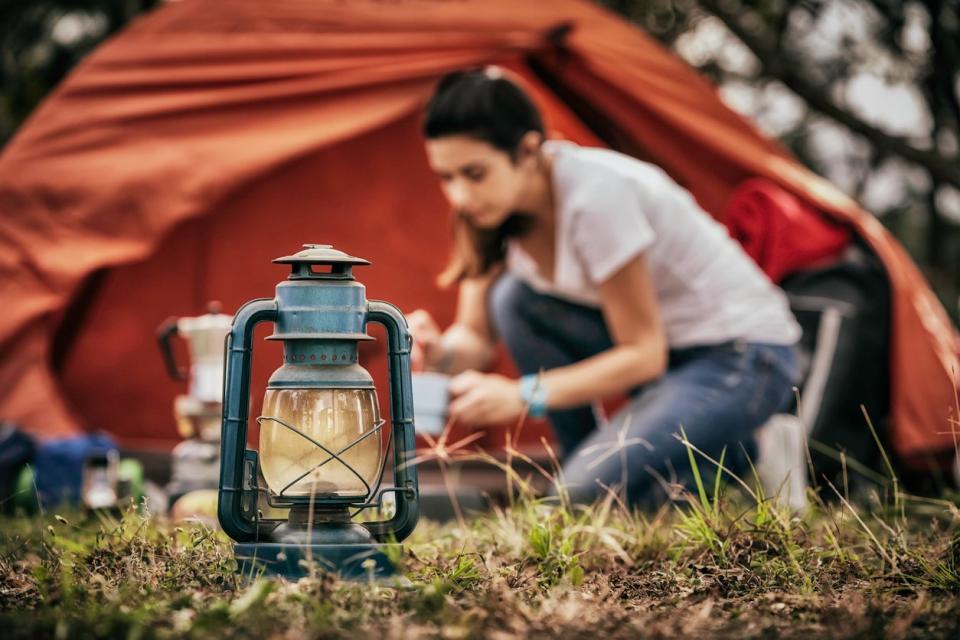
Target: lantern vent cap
(323, 255)
(320, 254)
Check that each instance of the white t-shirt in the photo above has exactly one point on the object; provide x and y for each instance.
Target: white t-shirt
(610, 208)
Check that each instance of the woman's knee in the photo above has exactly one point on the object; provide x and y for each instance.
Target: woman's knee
(647, 442)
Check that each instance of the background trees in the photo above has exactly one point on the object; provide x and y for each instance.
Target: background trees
(41, 40)
(865, 92)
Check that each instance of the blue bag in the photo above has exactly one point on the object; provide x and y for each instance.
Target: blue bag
(58, 466)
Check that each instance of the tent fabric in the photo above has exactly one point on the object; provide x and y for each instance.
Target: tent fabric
(211, 136)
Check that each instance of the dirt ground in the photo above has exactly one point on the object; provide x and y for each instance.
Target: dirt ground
(708, 566)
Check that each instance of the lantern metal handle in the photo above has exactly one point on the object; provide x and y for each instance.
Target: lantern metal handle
(401, 423)
(233, 438)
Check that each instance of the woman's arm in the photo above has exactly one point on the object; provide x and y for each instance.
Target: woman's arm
(468, 343)
(640, 349)
(639, 354)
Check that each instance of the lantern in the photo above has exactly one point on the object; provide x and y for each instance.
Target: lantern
(322, 451)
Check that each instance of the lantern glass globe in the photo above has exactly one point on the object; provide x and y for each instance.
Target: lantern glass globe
(294, 466)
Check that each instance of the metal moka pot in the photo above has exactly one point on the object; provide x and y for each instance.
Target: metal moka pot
(195, 463)
(204, 335)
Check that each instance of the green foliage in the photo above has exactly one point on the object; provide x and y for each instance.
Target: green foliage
(42, 40)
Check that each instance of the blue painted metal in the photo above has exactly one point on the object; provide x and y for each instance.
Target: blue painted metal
(401, 422)
(320, 376)
(234, 501)
(320, 313)
(349, 561)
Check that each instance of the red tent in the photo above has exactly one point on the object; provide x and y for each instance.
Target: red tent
(210, 136)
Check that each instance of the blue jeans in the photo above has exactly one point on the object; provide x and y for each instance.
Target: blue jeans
(720, 394)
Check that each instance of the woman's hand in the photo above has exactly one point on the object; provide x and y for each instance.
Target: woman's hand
(485, 398)
(426, 336)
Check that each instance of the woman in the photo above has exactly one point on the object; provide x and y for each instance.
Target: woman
(602, 276)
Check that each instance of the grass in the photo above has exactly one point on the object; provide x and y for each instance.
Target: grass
(720, 563)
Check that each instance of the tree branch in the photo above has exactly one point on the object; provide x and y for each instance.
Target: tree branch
(946, 49)
(784, 67)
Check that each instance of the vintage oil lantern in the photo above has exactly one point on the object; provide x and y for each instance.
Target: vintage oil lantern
(322, 452)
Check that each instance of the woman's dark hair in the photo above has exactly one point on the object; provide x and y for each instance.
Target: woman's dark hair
(485, 105)
(482, 104)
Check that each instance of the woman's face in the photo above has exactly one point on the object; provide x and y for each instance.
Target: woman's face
(481, 182)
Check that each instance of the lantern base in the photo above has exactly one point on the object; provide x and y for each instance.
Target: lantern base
(349, 561)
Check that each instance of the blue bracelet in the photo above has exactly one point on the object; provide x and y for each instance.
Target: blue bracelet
(534, 395)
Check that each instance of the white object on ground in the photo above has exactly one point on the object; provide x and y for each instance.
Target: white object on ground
(781, 444)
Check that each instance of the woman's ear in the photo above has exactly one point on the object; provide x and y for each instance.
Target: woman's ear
(529, 145)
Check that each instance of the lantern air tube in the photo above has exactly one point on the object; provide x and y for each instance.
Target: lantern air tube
(233, 437)
(401, 423)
